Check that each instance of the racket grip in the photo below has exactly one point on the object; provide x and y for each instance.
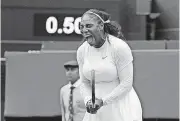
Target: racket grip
(93, 88)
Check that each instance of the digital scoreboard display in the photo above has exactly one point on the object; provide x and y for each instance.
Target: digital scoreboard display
(56, 24)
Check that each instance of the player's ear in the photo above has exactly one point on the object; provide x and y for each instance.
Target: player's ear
(101, 26)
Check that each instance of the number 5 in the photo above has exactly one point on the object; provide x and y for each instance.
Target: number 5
(68, 25)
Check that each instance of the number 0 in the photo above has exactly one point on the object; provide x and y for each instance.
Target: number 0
(51, 25)
(76, 25)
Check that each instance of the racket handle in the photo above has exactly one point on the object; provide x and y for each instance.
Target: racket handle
(93, 87)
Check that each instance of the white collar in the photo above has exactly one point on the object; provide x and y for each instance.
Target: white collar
(76, 84)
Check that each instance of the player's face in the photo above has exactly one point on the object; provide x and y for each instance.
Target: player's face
(90, 29)
(72, 74)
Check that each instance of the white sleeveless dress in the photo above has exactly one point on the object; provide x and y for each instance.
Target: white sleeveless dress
(114, 86)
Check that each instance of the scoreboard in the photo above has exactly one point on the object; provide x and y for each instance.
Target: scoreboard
(56, 24)
(58, 21)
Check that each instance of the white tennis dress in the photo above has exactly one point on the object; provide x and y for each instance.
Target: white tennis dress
(113, 67)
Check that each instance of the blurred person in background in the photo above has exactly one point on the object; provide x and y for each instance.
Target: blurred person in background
(71, 101)
(105, 52)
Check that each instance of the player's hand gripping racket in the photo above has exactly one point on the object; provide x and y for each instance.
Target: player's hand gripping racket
(91, 106)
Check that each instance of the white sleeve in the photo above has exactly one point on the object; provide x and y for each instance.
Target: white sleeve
(62, 105)
(85, 87)
(123, 60)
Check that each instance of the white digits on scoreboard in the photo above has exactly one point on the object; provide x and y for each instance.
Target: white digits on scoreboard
(76, 25)
(70, 25)
(51, 25)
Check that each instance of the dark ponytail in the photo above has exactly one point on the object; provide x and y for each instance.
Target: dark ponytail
(114, 29)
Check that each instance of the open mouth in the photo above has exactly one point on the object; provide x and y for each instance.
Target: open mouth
(87, 35)
(90, 40)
